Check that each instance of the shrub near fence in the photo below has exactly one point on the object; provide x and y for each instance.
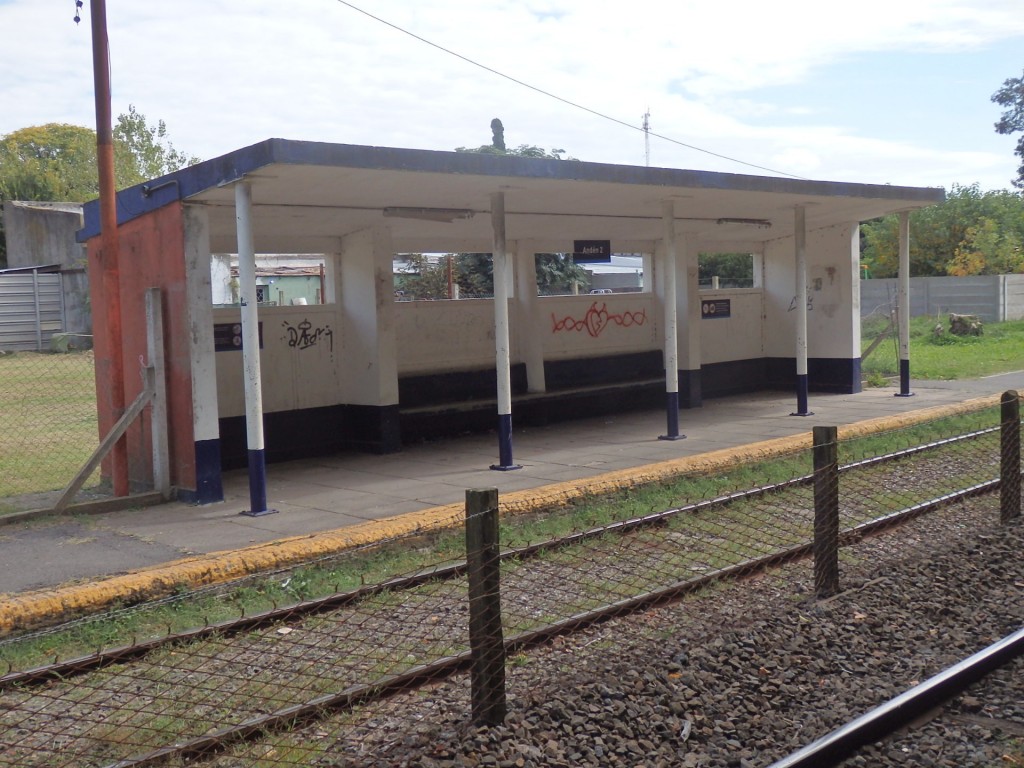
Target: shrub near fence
(48, 425)
(295, 685)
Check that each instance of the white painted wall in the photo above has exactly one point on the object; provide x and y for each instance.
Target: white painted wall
(300, 363)
(602, 324)
(737, 337)
(442, 336)
(833, 318)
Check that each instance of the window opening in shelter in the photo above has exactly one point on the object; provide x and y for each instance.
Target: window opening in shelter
(717, 271)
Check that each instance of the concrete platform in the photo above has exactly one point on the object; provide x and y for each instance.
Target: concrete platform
(339, 501)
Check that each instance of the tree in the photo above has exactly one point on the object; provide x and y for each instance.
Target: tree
(972, 232)
(1011, 96)
(497, 146)
(57, 161)
(425, 278)
(557, 274)
(737, 268)
(149, 151)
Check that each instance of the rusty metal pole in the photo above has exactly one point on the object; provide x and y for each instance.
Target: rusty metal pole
(109, 243)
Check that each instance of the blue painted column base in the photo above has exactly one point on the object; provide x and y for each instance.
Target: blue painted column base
(672, 417)
(505, 462)
(904, 380)
(257, 485)
(801, 396)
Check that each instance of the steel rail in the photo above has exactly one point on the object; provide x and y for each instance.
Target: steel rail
(905, 708)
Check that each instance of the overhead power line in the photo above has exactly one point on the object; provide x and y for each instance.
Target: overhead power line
(564, 100)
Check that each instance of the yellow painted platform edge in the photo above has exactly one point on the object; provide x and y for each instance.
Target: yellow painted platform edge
(30, 609)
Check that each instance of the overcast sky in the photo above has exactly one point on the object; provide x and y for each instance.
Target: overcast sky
(893, 91)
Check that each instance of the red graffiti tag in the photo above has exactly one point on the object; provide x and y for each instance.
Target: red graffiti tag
(597, 319)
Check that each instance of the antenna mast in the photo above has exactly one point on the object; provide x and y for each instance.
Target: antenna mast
(647, 137)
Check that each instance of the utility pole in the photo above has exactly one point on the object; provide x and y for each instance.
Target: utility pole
(109, 241)
(647, 137)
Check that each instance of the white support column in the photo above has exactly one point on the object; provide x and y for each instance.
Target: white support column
(671, 326)
(531, 336)
(800, 239)
(251, 352)
(688, 308)
(904, 305)
(501, 334)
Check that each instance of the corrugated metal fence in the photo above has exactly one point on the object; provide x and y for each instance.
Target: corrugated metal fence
(31, 311)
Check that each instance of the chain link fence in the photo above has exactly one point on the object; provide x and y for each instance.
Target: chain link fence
(48, 427)
(620, 631)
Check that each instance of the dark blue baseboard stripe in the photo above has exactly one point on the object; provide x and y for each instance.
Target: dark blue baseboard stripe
(257, 483)
(904, 379)
(801, 395)
(505, 461)
(671, 417)
(209, 487)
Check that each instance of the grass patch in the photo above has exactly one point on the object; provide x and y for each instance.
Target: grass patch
(48, 426)
(942, 357)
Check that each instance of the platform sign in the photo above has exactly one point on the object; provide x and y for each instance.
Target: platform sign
(713, 309)
(227, 337)
(591, 251)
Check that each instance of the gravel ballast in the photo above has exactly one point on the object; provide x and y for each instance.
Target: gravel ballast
(741, 676)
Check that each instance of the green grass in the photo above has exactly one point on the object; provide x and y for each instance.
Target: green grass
(48, 425)
(998, 350)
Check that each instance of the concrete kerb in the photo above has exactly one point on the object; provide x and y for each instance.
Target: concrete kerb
(42, 607)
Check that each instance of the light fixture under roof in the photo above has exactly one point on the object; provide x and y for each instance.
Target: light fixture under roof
(445, 215)
(759, 223)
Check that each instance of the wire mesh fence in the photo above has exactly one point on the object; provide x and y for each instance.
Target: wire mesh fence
(48, 425)
(613, 611)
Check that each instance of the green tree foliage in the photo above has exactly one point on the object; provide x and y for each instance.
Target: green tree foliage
(57, 161)
(1011, 97)
(497, 146)
(147, 150)
(424, 278)
(558, 274)
(736, 268)
(49, 162)
(971, 233)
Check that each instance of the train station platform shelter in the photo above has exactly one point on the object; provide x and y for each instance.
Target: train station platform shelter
(362, 370)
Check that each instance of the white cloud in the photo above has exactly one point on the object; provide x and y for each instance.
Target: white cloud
(227, 73)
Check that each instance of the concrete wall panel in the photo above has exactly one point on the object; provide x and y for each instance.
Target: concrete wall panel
(992, 297)
(833, 325)
(599, 324)
(737, 337)
(300, 361)
(443, 336)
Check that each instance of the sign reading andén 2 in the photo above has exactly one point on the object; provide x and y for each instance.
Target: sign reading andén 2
(588, 251)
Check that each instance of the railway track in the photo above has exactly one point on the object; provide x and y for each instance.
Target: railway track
(444, 583)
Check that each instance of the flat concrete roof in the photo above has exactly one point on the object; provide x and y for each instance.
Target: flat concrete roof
(306, 195)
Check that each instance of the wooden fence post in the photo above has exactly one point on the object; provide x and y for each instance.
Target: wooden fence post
(486, 640)
(826, 511)
(1009, 457)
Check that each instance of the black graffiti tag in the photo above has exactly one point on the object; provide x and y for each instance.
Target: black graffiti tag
(304, 336)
